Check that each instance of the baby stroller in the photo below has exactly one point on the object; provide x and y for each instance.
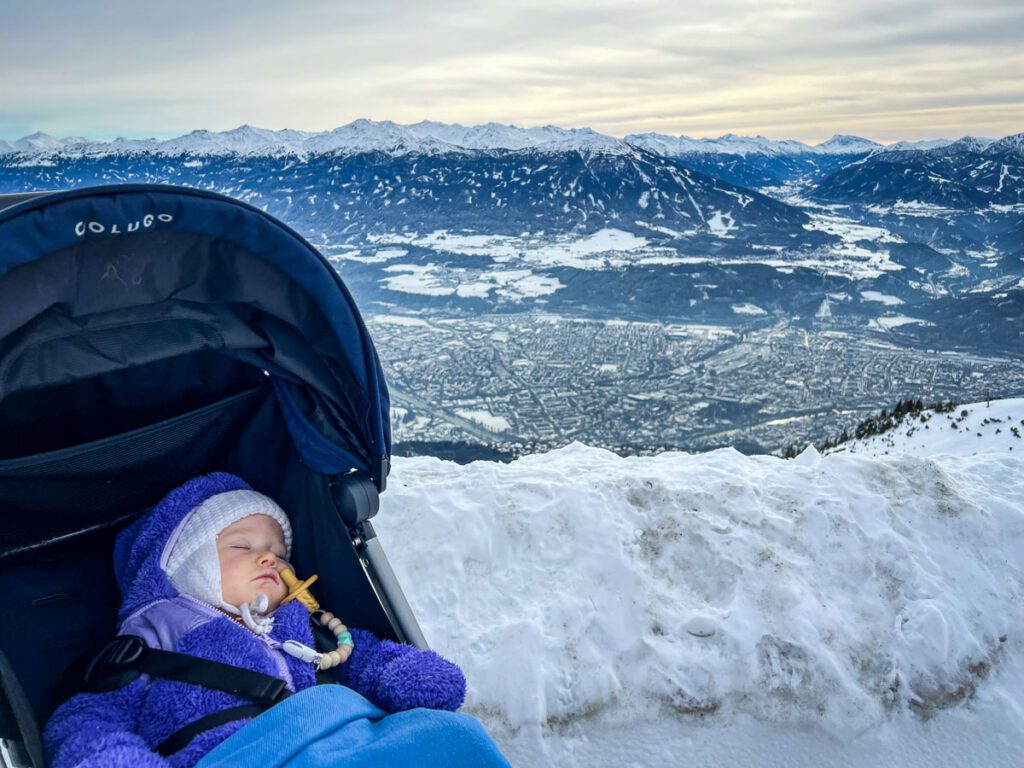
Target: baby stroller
(150, 334)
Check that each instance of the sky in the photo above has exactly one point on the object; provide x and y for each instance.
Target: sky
(807, 69)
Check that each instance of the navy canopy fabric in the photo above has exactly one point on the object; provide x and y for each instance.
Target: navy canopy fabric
(124, 220)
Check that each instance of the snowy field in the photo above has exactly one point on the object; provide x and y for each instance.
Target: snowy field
(726, 610)
(510, 264)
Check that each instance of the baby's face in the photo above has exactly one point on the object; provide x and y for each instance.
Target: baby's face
(251, 551)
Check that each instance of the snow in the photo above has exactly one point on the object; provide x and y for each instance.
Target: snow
(730, 144)
(883, 298)
(244, 140)
(841, 144)
(440, 280)
(37, 142)
(602, 249)
(407, 320)
(839, 610)
(748, 309)
(893, 321)
(417, 278)
(581, 251)
(379, 256)
(900, 146)
(851, 256)
(391, 253)
(611, 248)
(429, 137)
(968, 429)
(486, 419)
(358, 136)
(372, 136)
(721, 224)
(674, 146)
(911, 208)
(497, 136)
(974, 144)
(1013, 143)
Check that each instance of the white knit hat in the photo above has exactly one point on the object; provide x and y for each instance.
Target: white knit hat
(190, 557)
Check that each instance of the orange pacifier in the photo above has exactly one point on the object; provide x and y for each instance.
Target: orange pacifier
(298, 590)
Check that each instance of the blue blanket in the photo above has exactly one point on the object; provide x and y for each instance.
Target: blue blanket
(333, 726)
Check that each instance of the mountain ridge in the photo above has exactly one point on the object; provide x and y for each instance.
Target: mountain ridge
(433, 136)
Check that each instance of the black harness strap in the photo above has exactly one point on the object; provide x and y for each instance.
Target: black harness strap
(181, 738)
(126, 658)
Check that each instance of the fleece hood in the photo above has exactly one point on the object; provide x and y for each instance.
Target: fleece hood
(140, 546)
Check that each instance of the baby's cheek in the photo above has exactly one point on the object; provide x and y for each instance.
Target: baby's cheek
(276, 593)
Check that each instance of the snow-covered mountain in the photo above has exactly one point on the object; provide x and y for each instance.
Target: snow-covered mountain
(967, 174)
(923, 144)
(39, 142)
(356, 137)
(841, 144)
(839, 610)
(372, 179)
(758, 162)
(244, 140)
(431, 136)
(729, 144)
(745, 161)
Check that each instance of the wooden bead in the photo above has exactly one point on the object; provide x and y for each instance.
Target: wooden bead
(333, 624)
(325, 617)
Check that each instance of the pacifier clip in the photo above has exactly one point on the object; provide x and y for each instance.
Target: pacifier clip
(299, 590)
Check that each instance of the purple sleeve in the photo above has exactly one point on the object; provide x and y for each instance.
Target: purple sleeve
(397, 677)
(97, 730)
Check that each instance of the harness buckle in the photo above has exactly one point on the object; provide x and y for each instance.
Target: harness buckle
(113, 666)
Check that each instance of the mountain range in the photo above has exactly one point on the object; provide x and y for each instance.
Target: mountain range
(423, 137)
(434, 215)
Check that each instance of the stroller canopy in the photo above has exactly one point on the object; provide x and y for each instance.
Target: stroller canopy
(124, 305)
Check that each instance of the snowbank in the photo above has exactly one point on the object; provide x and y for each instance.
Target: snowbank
(974, 428)
(611, 610)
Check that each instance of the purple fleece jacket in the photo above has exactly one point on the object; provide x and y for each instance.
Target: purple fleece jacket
(121, 728)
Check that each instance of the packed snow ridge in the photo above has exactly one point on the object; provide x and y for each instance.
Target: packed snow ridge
(430, 137)
(742, 610)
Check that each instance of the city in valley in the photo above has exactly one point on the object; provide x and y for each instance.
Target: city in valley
(532, 380)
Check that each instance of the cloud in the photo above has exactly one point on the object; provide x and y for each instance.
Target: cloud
(784, 68)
